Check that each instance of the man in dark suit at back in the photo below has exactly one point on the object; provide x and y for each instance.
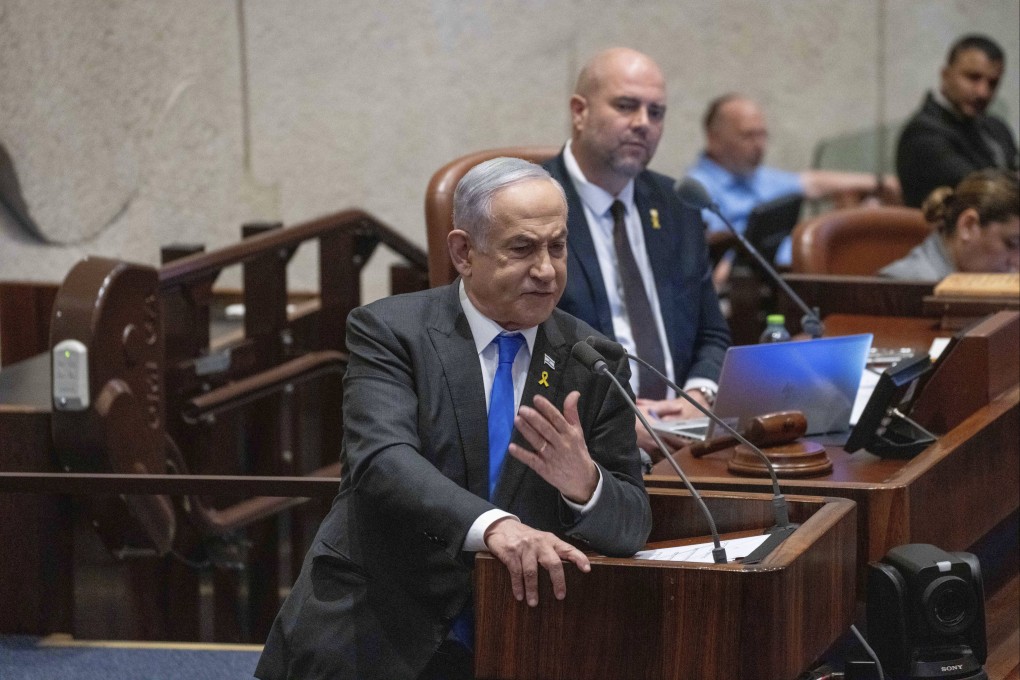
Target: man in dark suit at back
(638, 261)
(430, 396)
(951, 136)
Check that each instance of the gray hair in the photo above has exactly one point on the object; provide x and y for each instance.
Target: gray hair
(472, 200)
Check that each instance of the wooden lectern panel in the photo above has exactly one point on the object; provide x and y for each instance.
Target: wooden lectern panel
(955, 491)
(984, 363)
(951, 494)
(660, 620)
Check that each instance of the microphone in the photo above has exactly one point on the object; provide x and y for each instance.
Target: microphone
(596, 363)
(780, 510)
(692, 193)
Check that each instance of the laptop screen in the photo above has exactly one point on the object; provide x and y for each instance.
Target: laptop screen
(817, 377)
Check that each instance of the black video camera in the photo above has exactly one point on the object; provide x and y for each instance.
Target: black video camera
(926, 614)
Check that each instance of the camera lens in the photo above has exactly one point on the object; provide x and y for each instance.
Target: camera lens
(949, 605)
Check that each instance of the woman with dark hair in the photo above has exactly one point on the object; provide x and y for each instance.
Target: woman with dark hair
(977, 229)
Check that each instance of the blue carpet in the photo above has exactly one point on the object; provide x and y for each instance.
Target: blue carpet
(30, 658)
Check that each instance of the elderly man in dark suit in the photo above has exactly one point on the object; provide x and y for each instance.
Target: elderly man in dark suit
(385, 591)
(638, 262)
(951, 135)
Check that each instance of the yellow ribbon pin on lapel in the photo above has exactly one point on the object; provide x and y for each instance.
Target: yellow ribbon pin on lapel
(544, 381)
(654, 214)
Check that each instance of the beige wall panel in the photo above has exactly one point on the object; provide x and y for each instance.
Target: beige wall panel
(918, 35)
(123, 123)
(794, 55)
(135, 124)
(362, 111)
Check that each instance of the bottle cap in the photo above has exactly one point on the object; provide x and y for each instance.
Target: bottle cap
(775, 320)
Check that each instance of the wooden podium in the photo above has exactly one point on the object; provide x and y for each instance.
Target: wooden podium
(658, 620)
(951, 494)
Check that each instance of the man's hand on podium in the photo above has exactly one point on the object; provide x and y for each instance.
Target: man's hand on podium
(523, 549)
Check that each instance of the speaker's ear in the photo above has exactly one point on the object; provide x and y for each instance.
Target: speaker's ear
(887, 620)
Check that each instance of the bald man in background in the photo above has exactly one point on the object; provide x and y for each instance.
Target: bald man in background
(638, 264)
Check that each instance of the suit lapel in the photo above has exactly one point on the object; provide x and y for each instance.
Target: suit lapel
(583, 260)
(455, 347)
(548, 360)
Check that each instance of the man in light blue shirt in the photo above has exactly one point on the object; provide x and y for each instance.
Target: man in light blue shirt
(730, 167)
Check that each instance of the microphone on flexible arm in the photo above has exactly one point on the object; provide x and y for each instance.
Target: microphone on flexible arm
(780, 510)
(596, 363)
(693, 194)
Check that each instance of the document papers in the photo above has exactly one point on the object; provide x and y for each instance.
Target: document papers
(736, 549)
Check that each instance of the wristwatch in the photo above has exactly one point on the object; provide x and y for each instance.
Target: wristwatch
(707, 392)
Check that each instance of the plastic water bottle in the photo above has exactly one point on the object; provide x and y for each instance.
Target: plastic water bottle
(775, 329)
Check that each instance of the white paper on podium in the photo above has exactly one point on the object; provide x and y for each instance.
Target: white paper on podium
(736, 549)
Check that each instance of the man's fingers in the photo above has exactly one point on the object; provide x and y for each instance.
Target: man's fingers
(538, 422)
(522, 454)
(530, 572)
(570, 409)
(516, 580)
(524, 550)
(554, 566)
(533, 436)
(549, 412)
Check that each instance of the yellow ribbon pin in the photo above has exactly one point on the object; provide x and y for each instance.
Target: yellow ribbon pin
(544, 382)
(654, 214)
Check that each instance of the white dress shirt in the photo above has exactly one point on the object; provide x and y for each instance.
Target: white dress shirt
(596, 202)
(484, 331)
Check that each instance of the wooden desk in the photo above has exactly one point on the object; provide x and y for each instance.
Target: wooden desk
(843, 294)
(961, 493)
(889, 331)
(37, 590)
(951, 494)
(1002, 625)
(25, 310)
(649, 619)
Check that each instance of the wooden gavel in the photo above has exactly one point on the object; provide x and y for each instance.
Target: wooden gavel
(771, 429)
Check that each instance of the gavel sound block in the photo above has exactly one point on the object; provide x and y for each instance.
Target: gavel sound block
(778, 436)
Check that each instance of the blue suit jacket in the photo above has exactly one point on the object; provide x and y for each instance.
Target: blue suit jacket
(698, 334)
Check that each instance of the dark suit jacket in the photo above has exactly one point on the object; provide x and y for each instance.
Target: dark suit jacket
(937, 149)
(386, 574)
(698, 334)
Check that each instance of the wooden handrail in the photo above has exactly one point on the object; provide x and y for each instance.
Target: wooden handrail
(202, 265)
(264, 383)
(100, 483)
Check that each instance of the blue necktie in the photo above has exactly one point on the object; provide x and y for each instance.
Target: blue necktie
(501, 424)
(501, 406)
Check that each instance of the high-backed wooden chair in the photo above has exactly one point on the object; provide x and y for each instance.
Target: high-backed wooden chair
(856, 241)
(439, 202)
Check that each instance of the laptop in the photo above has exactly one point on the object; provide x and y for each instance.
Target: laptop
(771, 222)
(817, 377)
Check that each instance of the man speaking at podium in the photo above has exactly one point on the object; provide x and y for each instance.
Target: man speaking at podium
(430, 394)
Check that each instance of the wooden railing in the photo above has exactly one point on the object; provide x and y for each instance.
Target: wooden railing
(192, 438)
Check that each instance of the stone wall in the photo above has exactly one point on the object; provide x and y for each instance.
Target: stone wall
(128, 125)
